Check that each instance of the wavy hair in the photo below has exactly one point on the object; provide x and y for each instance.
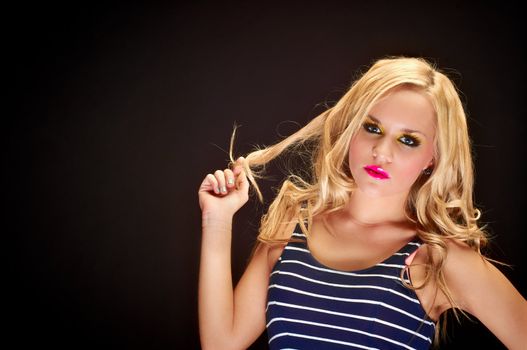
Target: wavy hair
(440, 205)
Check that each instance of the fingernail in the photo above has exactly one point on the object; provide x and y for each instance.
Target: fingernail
(223, 189)
(216, 190)
(230, 181)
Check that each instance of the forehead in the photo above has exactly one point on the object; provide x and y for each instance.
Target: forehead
(406, 108)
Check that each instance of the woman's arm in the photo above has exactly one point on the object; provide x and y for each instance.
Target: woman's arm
(482, 290)
(228, 319)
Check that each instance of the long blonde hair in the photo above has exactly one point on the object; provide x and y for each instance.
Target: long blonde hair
(440, 205)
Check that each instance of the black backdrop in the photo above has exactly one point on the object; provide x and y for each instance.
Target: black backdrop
(121, 109)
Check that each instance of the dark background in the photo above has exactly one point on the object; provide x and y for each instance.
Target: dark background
(119, 111)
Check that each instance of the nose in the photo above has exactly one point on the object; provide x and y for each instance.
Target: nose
(382, 151)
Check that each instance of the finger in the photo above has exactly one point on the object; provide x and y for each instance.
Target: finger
(213, 183)
(229, 178)
(220, 176)
(242, 184)
(237, 170)
(238, 165)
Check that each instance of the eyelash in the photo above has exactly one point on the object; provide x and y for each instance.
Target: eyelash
(369, 127)
(413, 141)
(407, 140)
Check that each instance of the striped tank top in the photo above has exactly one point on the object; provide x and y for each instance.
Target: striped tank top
(311, 306)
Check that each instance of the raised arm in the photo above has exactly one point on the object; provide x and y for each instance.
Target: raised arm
(228, 319)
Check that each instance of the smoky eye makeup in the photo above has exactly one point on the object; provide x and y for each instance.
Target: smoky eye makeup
(372, 127)
(409, 140)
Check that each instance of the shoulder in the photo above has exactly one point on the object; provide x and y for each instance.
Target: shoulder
(460, 265)
(458, 257)
(469, 275)
(478, 287)
(464, 270)
(462, 262)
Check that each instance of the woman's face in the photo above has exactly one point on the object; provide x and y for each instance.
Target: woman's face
(394, 145)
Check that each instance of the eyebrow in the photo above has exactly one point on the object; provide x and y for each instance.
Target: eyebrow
(409, 131)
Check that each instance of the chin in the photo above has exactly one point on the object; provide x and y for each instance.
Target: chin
(378, 189)
(371, 190)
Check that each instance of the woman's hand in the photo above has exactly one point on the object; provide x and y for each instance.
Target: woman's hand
(221, 194)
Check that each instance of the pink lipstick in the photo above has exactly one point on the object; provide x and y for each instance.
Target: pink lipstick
(376, 172)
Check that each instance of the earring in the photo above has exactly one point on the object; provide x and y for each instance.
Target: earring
(427, 171)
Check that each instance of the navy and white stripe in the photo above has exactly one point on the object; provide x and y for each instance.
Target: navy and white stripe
(311, 306)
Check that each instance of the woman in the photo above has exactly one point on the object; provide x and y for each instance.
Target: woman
(376, 244)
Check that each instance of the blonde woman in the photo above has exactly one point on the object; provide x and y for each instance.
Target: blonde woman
(375, 245)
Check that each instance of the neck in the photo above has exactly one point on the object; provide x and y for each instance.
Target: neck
(370, 211)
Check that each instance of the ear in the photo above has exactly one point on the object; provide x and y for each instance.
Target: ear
(430, 164)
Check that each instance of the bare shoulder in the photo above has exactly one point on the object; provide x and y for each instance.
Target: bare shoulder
(463, 263)
(477, 287)
(460, 257)
(472, 278)
(480, 288)
(461, 260)
(460, 266)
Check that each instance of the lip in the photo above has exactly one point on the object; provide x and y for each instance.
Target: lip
(377, 172)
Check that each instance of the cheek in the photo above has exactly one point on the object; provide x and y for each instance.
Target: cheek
(411, 171)
(413, 167)
(352, 151)
(358, 146)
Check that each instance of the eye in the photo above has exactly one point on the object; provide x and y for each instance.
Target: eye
(409, 141)
(372, 128)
